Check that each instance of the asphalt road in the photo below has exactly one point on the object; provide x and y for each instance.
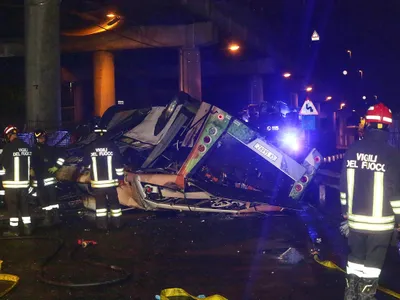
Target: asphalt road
(234, 257)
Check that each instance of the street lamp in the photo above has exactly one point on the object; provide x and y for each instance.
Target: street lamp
(349, 52)
(328, 98)
(344, 72)
(376, 97)
(364, 97)
(361, 73)
(233, 47)
(110, 15)
(309, 89)
(342, 105)
(287, 75)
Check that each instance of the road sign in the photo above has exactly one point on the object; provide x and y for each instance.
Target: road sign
(308, 109)
(315, 36)
(308, 122)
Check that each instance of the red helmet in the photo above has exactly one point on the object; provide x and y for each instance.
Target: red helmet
(379, 113)
(10, 129)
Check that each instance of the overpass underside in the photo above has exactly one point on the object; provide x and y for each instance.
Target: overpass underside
(196, 24)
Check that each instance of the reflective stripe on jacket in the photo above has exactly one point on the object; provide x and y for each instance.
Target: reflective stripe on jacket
(369, 184)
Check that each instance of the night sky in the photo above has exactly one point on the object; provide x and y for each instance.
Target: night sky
(368, 28)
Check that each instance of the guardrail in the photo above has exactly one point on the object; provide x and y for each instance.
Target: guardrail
(333, 158)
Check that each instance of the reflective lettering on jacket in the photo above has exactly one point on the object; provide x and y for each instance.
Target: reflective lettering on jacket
(103, 153)
(16, 183)
(376, 221)
(366, 161)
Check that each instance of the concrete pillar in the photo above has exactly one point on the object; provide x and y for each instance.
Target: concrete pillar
(190, 72)
(104, 81)
(256, 89)
(42, 63)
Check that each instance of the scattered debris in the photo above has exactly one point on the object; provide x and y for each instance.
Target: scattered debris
(291, 256)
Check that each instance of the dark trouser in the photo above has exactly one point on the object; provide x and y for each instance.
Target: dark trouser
(365, 261)
(47, 196)
(102, 195)
(17, 204)
(367, 253)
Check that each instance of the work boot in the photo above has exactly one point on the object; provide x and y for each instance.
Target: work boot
(351, 289)
(28, 229)
(367, 288)
(12, 232)
(47, 222)
(116, 222)
(101, 223)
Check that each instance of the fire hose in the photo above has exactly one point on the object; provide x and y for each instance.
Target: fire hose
(330, 265)
(60, 244)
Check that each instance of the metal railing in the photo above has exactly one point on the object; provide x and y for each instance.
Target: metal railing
(57, 138)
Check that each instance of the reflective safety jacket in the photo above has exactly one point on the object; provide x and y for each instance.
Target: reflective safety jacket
(2, 172)
(16, 162)
(105, 163)
(45, 157)
(370, 184)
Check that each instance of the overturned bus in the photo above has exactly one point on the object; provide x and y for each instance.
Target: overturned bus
(193, 156)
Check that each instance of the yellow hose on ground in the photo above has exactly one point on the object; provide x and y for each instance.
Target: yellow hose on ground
(330, 265)
(7, 277)
(177, 292)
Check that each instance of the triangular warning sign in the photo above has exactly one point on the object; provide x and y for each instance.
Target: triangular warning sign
(315, 36)
(308, 109)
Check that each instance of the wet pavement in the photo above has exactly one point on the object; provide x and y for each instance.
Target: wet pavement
(235, 257)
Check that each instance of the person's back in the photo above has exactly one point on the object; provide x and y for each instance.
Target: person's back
(107, 171)
(16, 160)
(370, 199)
(372, 172)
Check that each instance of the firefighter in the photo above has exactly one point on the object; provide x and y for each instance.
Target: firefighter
(46, 160)
(2, 172)
(107, 171)
(370, 198)
(15, 159)
(2, 191)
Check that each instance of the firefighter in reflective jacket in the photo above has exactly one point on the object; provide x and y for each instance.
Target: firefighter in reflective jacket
(46, 160)
(2, 172)
(107, 171)
(16, 159)
(370, 198)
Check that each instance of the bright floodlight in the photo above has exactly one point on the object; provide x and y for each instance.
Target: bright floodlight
(287, 75)
(309, 89)
(364, 97)
(328, 98)
(342, 105)
(345, 72)
(110, 15)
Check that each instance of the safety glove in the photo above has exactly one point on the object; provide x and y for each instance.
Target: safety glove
(52, 170)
